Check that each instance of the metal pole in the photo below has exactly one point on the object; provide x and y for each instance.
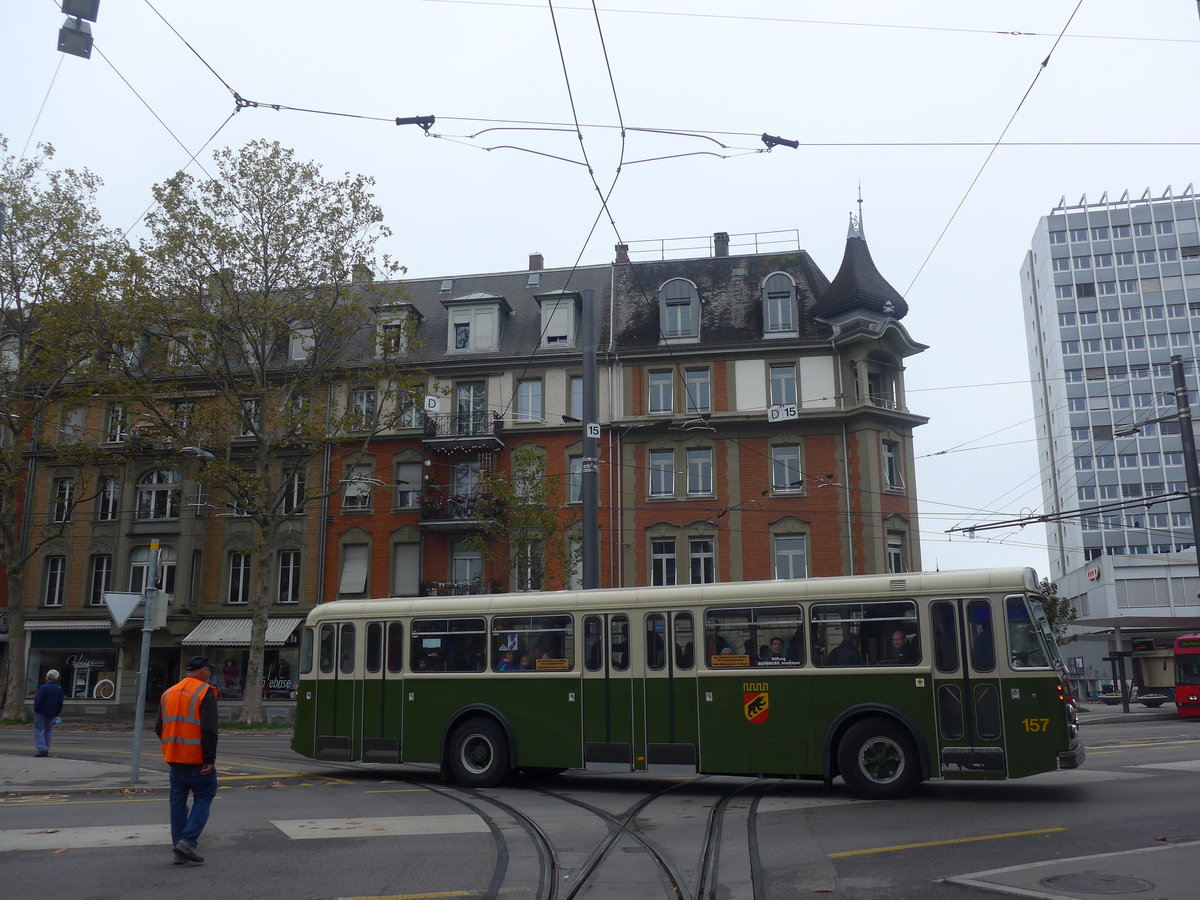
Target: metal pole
(590, 486)
(1190, 467)
(150, 591)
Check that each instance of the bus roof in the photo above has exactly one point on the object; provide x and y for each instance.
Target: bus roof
(876, 587)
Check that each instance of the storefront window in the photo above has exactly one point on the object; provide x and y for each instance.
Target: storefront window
(281, 665)
(87, 674)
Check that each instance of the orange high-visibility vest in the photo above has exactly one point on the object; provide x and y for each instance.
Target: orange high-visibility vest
(181, 722)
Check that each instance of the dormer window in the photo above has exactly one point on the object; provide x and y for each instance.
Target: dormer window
(394, 326)
(475, 321)
(679, 310)
(779, 305)
(300, 344)
(559, 317)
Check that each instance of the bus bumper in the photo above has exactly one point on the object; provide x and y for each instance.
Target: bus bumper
(1073, 758)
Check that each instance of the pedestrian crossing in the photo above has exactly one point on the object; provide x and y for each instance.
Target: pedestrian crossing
(159, 834)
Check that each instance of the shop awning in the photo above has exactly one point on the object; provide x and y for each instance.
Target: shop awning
(68, 624)
(236, 632)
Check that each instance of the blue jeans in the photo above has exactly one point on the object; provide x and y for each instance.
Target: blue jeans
(185, 825)
(42, 726)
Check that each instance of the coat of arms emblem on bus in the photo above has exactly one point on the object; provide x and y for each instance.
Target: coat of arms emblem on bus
(757, 706)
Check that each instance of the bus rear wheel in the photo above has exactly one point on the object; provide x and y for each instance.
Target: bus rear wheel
(878, 761)
(479, 753)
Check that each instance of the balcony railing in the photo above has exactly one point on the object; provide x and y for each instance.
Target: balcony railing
(472, 424)
(438, 506)
(459, 588)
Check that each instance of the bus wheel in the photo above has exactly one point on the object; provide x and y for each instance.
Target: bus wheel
(479, 753)
(878, 761)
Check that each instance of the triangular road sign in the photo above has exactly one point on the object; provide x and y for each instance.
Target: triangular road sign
(120, 605)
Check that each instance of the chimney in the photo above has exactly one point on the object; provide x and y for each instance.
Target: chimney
(721, 243)
(361, 274)
(622, 253)
(536, 262)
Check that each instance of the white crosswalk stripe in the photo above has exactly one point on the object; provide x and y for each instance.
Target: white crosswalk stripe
(84, 837)
(382, 826)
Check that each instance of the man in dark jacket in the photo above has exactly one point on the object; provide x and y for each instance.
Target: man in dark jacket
(47, 706)
(187, 726)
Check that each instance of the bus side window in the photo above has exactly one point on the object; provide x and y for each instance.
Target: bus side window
(945, 636)
(685, 653)
(346, 647)
(979, 633)
(306, 652)
(593, 643)
(619, 638)
(395, 647)
(374, 646)
(656, 650)
(327, 638)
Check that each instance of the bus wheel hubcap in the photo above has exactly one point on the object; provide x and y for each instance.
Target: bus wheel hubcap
(881, 759)
(477, 753)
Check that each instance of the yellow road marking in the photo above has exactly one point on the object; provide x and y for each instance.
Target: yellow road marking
(400, 791)
(433, 895)
(18, 801)
(984, 837)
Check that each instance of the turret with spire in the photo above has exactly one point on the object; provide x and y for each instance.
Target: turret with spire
(858, 287)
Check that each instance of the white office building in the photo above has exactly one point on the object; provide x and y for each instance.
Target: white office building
(1111, 291)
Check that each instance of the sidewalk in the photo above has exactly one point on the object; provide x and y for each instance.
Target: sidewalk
(23, 774)
(1095, 713)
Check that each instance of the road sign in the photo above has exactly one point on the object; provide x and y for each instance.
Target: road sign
(782, 412)
(433, 403)
(593, 430)
(120, 605)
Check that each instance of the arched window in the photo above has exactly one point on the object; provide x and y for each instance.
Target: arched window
(679, 310)
(779, 304)
(158, 495)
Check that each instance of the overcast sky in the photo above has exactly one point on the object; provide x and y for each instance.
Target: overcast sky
(858, 83)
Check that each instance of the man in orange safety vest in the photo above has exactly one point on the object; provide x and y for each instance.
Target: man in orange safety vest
(187, 726)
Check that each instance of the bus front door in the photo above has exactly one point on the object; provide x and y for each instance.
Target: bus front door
(608, 701)
(971, 741)
(382, 697)
(671, 732)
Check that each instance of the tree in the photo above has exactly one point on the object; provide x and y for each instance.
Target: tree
(267, 342)
(521, 512)
(59, 269)
(1059, 612)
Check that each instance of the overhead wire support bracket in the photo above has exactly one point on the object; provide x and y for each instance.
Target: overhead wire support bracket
(772, 141)
(426, 122)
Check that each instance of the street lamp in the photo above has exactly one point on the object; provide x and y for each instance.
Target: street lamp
(75, 36)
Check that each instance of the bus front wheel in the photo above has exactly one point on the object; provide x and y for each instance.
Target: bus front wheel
(479, 753)
(878, 761)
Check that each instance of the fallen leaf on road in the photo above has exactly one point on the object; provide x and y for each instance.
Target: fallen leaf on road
(62, 849)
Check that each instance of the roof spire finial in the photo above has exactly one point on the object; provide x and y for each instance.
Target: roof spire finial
(856, 226)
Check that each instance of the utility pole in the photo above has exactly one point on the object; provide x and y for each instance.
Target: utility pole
(590, 476)
(1190, 467)
(150, 591)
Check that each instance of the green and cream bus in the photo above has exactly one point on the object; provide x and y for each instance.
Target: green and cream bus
(885, 680)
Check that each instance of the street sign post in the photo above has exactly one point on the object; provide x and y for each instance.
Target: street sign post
(121, 605)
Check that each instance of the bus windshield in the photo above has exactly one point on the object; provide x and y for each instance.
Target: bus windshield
(1028, 641)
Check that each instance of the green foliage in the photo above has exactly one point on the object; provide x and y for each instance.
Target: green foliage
(1059, 611)
(60, 270)
(527, 522)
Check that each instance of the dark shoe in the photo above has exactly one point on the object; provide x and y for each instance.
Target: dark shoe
(186, 851)
(42, 753)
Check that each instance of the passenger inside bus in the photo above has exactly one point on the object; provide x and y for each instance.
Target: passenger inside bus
(904, 651)
(846, 653)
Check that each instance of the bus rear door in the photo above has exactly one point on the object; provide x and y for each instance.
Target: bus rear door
(607, 694)
(669, 693)
(334, 696)
(382, 692)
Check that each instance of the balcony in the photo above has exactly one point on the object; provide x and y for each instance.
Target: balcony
(459, 588)
(445, 511)
(464, 432)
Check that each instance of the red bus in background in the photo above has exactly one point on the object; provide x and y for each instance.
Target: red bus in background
(1187, 675)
